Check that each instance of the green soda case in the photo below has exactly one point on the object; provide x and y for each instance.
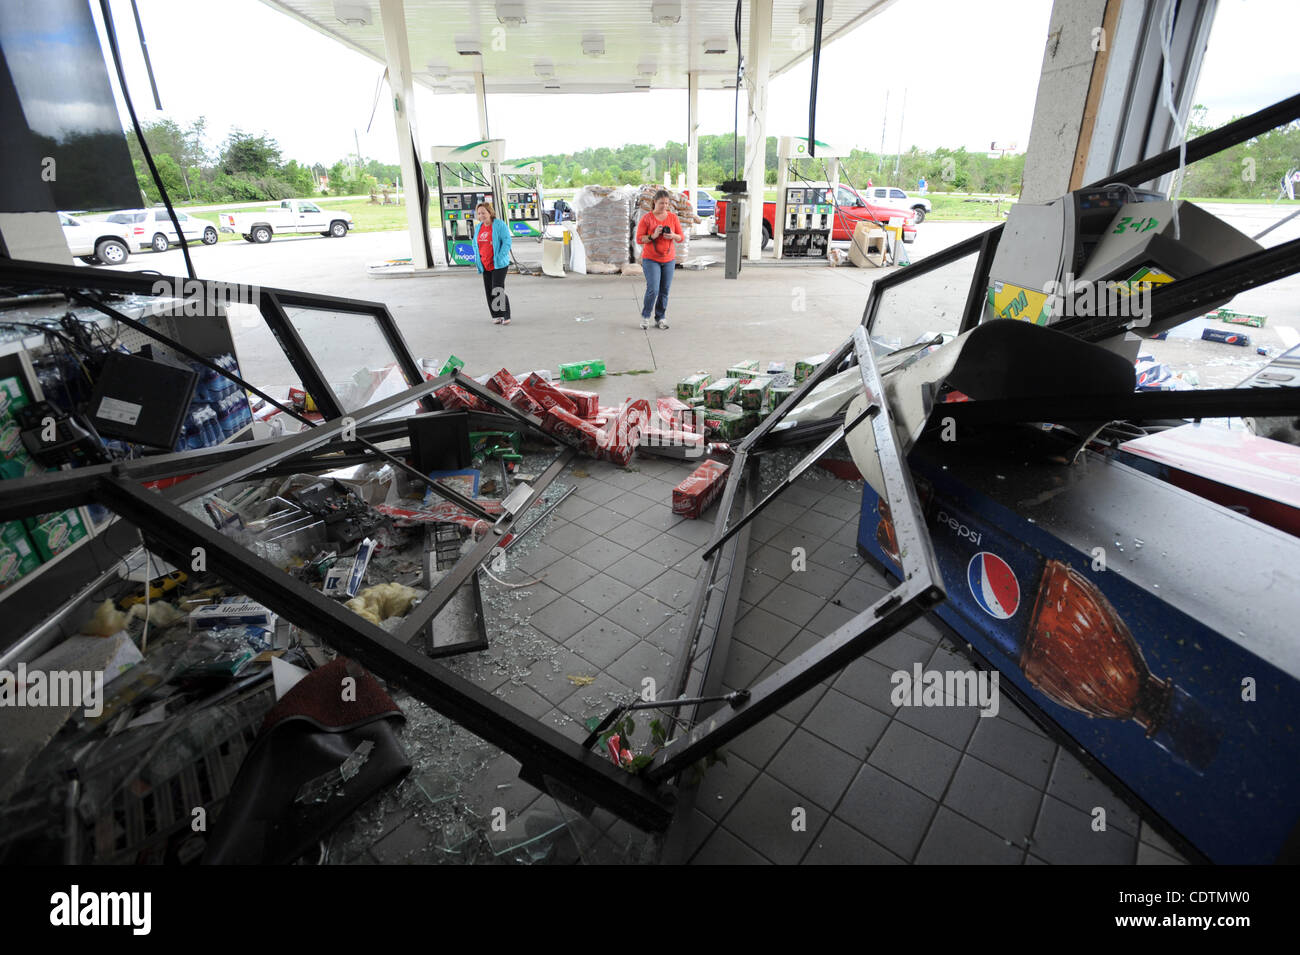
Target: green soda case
(12, 395)
(480, 441)
(693, 386)
(726, 424)
(452, 364)
(54, 533)
(575, 370)
(753, 396)
(11, 438)
(777, 394)
(743, 369)
(720, 392)
(17, 558)
(695, 401)
(18, 466)
(806, 366)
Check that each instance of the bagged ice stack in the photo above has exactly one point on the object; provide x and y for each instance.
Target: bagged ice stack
(604, 217)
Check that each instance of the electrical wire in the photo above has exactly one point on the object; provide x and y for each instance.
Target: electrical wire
(111, 34)
(735, 120)
(1167, 94)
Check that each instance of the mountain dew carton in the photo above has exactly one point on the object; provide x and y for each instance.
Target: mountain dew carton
(753, 394)
(54, 533)
(778, 393)
(743, 370)
(693, 386)
(806, 366)
(17, 557)
(575, 370)
(718, 394)
(12, 396)
(727, 423)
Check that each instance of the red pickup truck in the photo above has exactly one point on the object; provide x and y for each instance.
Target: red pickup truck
(851, 209)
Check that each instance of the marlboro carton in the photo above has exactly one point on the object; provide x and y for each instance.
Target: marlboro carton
(753, 396)
(720, 392)
(743, 369)
(503, 383)
(585, 403)
(697, 492)
(547, 395)
(692, 386)
(806, 366)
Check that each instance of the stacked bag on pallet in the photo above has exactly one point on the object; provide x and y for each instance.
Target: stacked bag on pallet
(604, 217)
(678, 203)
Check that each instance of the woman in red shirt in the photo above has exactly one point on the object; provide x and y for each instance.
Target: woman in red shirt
(492, 256)
(658, 233)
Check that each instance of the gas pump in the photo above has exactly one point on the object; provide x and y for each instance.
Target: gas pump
(523, 213)
(805, 214)
(467, 175)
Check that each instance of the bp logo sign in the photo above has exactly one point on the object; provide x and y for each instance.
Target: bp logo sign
(483, 152)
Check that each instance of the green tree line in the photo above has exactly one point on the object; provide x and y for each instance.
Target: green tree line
(1249, 170)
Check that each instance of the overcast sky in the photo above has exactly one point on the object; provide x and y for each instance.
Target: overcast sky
(968, 70)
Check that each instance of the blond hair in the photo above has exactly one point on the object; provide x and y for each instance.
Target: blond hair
(492, 216)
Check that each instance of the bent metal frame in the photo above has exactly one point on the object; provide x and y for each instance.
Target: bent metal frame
(543, 751)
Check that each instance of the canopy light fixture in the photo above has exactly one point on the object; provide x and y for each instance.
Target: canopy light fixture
(544, 68)
(808, 12)
(437, 70)
(510, 13)
(593, 44)
(353, 14)
(716, 45)
(468, 46)
(665, 12)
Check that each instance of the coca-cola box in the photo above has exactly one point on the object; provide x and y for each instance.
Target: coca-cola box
(1151, 627)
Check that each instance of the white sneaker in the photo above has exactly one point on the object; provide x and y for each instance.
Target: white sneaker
(645, 323)
(661, 324)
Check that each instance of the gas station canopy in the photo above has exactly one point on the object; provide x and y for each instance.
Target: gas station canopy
(576, 46)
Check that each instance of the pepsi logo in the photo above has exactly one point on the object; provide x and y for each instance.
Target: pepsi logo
(993, 584)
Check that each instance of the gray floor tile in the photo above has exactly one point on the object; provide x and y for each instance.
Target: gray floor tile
(792, 536)
(900, 651)
(802, 494)
(722, 848)
(526, 600)
(764, 631)
(567, 573)
(601, 552)
(601, 642)
(762, 528)
(1150, 836)
(756, 587)
(601, 520)
(845, 510)
(867, 682)
(574, 507)
(628, 479)
(784, 511)
(671, 587)
(524, 699)
(804, 641)
(562, 618)
(669, 635)
(1064, 836)
(640, 662)
(666, 550)
(631, 534)
(635, 570)
(640, 614)
(997, 801)
(595, 490)
(744, 664)
(813, 768)
(566, 724)
(839, 556)
(797, 710)
(537, 559)
(924, 629)
(773, 561)
(821, 525)
(630, 504)
(550, 676)
(600, 592)
(921, 761)
(759, 743)
(829, 619)
(721, 786)
(954, 840)
(838, 844)
(1150, 855)
(697, 531)
(819, 581)
(892, 814)
(569, 537)
(857, 594)
(841, 720)
(1073, 784)
(951, 724)
(797, 606)
(698, 828)
(766, 818)
(1025, 755)
(597, 699)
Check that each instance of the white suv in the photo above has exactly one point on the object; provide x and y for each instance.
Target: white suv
(896, 198)
(153, 229)
(96, 243)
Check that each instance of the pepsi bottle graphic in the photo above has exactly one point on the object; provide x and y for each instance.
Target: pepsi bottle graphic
(1064, 635)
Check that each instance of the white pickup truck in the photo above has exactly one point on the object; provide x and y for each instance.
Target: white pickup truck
(292, 217)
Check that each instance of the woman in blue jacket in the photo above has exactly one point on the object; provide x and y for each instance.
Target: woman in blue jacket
(492, 256)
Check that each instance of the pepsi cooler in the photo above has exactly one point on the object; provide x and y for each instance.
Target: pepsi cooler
(1149, 627)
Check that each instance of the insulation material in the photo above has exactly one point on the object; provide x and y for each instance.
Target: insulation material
(693, 496)
(382, 601)
(604, 217)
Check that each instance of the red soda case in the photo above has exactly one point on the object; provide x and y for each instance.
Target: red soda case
(697, 492)
(547, 395)
(586, 404)
(503, 383)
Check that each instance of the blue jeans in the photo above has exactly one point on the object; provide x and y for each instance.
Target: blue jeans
(658, 280)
